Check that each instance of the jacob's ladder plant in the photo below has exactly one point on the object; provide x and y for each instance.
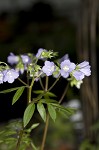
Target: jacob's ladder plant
(45, 102)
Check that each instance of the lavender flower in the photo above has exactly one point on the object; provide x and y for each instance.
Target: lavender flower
(78, 75)
(10, 75)
(1, 77)
(48, 68)
(12, 59)
(85, 68)
(25, 59)
(39, 53)
(66, 68)
(82, 70)
(65, 57)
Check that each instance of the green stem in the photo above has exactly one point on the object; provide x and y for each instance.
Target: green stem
(64, 93)
(19, 140)
(30, 90)
(46, 84)
(47, 120)
(23, 82)
(41, 83)
(33, 146)
(3, 63)
(29, 94)
(41, 95)
(54, 83)
(45, 132)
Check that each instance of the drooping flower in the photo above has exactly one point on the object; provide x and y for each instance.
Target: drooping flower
(39, 53)
(78, 75)
(85, 68)
(65, 57)
(10, 75)
(20, 67)
(48, 68)
(12, 59)
(1, 77)
(66, 68)
(25, 59)
(82, 70)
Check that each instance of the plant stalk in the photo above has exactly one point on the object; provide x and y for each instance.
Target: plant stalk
(45, 132)
(23, 82)
(47, 120)
(19, 140)
(64, 93)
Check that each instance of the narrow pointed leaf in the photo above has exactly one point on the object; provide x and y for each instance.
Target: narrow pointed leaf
(32, 127)
(67, 110)
(10, 90)
(42, 111)
(48, 100)
(50, 94)
(29, 111)
(17, 94)
(38, 91)
(52, 111)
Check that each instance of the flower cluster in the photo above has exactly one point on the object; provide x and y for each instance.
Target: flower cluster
(35, 67)
(8, 75)
(75, 73)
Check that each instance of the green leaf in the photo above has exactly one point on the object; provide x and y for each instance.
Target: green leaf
(41, 110)
(17, 94)
(28, 113)
(48, 100)
(38, 91)
(50, 94)
(32, 127)
(10, 90)
(52, 111)
(64, 110)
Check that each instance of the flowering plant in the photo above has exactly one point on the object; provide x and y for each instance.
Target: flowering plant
(45, 102)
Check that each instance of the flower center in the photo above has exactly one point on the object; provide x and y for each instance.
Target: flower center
(51, 68)
(65, 68)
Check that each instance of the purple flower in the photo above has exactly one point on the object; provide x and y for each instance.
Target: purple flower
(10, 75)
(82, 70)
(65, 57)
(12, 59)
(85, 68)
(48, 68)
(1, 77)
(39, 53)
(25, 59)
(78, 75)
(66, 68)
